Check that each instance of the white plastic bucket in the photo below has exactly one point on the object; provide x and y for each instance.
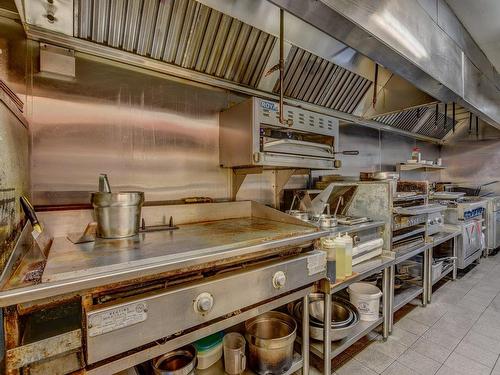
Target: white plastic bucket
(366, 298)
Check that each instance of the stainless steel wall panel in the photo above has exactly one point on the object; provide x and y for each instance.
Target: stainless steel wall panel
(175, 29)
(148, 24)
(188, 27)
(132, 22)
(116, 22)
(161, 29)
(147, 132)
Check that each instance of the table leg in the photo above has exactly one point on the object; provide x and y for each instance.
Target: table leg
(392, 277)
(386, 297)
(305, 335)
(327, 344)
(425, 278)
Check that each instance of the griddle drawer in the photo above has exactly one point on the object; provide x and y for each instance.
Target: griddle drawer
(117, 327)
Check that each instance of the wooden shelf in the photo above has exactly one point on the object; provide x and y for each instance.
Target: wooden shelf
(413, 167)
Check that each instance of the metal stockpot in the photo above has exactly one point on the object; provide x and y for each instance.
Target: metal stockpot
(177, 362)
(118, 215)
(270, 339)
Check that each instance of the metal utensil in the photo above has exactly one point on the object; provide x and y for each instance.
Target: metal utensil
(39, 234)
(104, 183)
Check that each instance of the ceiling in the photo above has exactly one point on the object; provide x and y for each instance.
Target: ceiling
(481, 19)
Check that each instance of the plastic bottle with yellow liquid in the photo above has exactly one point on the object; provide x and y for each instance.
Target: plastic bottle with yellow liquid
(348, 254)
(339, 245)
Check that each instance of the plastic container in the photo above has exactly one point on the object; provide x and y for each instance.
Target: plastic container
(348, 254)
(209, 350)
(328, 245)
(339, 245)
(366, 297)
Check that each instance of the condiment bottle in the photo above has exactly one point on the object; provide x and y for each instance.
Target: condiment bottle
(328, 245)
(339, 244)
(416, 155)
(348, 254)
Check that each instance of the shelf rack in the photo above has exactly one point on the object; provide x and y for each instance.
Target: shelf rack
(406, 296)
(361, 330)
(218, 367)
(419, 166)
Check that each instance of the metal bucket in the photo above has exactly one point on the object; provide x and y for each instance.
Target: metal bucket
(270, 337)
(118, 215)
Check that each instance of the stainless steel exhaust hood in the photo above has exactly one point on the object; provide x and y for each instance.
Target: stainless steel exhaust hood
(432, 51)
(231, 44)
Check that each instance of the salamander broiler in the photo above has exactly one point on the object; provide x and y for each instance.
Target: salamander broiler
(103, 306)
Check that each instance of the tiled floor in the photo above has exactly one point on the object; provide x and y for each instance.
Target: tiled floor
(458, 333)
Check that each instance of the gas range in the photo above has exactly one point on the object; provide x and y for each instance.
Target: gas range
(464, 210)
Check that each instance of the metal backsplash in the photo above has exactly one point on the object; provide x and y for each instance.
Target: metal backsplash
(147, 132)
(14, 138)
(473, 158)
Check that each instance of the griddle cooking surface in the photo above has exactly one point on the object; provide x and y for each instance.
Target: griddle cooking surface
(191, 241)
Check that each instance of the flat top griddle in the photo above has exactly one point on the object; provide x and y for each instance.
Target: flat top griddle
(190, 244)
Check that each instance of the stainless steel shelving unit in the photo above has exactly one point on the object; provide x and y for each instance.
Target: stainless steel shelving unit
(381, 263)
(449, 233)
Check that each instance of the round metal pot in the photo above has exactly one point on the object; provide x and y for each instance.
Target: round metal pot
(301, 215)
(270, 339)
(177, 362)
(118, 215)
(325, 221)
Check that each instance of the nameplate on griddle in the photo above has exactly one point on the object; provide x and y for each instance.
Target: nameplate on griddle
(102, 322)
(316, 263)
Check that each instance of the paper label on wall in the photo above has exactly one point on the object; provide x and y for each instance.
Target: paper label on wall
(316, 263)
(103, 322)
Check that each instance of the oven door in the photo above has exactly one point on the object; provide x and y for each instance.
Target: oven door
(471, 237)
(297, 148)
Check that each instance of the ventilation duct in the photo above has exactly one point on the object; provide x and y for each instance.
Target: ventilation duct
(315, 80)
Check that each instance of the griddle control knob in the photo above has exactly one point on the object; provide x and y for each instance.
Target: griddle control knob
(279, 280)
(203, 303)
